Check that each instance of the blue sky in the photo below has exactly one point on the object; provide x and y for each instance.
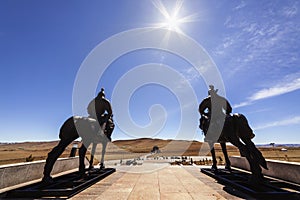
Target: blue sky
(255, 46)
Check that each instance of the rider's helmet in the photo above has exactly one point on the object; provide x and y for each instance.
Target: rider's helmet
(101, 93)
(212, 90)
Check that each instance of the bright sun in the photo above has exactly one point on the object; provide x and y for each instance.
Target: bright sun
(172, 21)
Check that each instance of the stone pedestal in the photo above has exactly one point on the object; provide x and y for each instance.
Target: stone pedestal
(14, 174)
(289, 171)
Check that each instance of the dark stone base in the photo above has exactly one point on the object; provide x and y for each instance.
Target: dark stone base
(269, 189)
(64, 186)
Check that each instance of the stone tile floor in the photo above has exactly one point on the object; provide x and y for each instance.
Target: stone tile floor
(171, 182)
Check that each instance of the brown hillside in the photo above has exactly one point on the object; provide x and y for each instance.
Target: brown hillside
(121, 149)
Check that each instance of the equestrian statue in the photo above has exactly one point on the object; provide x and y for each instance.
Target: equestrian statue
(219, 125)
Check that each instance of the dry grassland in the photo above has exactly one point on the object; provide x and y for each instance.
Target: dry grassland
(122, 149)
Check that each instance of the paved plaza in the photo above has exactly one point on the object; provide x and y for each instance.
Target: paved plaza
(160, 182)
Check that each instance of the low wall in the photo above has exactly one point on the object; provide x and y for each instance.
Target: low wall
(289, 171)
(14, 174)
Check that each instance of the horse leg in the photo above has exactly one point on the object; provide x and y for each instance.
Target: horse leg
(257, 176)
(53, 156)
(254, 166)
(214, 167)
(82, 152)
(256, 153)
(91, 166)
(227, 161)
(104, 144)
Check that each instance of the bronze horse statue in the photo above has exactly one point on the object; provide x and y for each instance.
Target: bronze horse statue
(107, 128)
(74, 127)
(92, 133)
(235, 130)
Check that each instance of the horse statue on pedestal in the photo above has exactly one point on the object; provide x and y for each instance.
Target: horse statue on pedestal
(107, 128)
(235, 130)
(93, 133)
(90, 131)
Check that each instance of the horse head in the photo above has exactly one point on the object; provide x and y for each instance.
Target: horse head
(109, 128)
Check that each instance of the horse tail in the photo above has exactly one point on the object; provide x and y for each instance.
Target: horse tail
(246, 134)
(243, 128)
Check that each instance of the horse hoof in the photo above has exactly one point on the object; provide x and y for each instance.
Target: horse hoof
(47, 180)
(82, 175)
(227, 167)
(214, 169)
(102, 166)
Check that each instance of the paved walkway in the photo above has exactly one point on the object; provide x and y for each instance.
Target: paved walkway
(171, 182)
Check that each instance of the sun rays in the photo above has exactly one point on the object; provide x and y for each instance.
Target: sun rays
(172, 19)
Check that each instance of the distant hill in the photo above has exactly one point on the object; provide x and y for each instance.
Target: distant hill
(18, 152)
(278, 145)
(120, 149)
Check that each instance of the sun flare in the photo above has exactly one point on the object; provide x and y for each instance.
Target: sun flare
(172, 21)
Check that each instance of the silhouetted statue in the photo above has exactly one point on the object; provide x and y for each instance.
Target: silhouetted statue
(100, 109)
(212, 108)
(219, 125)
(90, 130)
